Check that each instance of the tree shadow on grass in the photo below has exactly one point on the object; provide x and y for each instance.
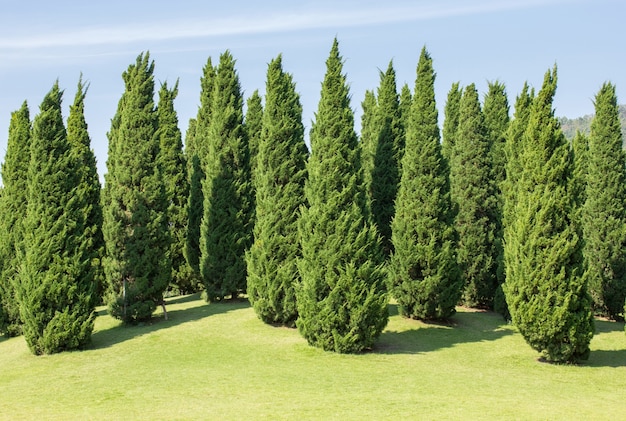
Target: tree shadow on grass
(607, 357)
(463, 327)
(120, 333)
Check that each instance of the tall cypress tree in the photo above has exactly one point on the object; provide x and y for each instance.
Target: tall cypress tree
(342, 303)
(604, 211)
(137, 264)
(474, 194)
(406, 98)
(13, 203)
(388, 151)
(171, 161)
(56, 288)
(545, 288)
(369, 133)
(424, 273)
(254, 124)
(451, 120)
(197, 152)
(226, 227)
(280, 175)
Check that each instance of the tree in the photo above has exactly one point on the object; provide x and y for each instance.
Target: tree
(137, 264)
(604, 211)
(404, 106)
(545, 288)
(280, 175)
(342, 303)
(226, 227)
(425, 276)
(56, 288)
(474, 195)
(89, 182)
(13, 203)
(254, 124)
(369, 133)
(388, 151)
(451, 121)
(173, 167)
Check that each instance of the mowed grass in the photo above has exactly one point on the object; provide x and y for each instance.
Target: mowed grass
(218, 361)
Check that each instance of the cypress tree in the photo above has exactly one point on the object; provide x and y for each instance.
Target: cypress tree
(171, 161)
(13, 203)
(604, 211)
(80, 142)
(342, 303)
(137, 264)
(389, 148)
(425, 276)
(451, 120)
(404, 106)
(474, 194)
(56, 288)
(226, 227)
(197, 152)
(254, 124)
(369, 132)
(545, 288)
(280, 175)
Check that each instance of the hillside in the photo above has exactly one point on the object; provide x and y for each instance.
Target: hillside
(583, 124)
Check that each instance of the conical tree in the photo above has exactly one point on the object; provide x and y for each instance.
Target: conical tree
(604, 212)
(226, 227)
(280, 175)
(137, 264)
(80, 142)
(196, 152)
(545, 288)
(406, 98)
(474, 194)
(369, 132)
(388, 151)
(254, 124)
(425, 276)
(171, 161)
(13, 203)
(56, 288)
(451, 120)
(342, 303)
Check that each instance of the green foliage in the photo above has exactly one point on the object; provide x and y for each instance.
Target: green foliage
(369, 132)
(580, 150)
(404, 105)
(388, 151)
(280, 176)
(424, 273)
(545, 288)
(89, 184)
(254, 124)
(342, 303)
(571, 126)
(474, 194)
(56, 288)
(173, 166)
(13, 203)
(451, 120)
(226, 227)
(604, 211)
(137, 264)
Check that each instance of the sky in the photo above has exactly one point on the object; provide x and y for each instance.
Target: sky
(470, 41)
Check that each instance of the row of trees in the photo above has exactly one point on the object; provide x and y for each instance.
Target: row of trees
(500, 213)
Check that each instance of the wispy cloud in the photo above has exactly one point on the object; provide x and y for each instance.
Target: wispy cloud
(259, 24)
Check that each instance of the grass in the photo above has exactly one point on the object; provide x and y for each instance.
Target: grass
(218, 361)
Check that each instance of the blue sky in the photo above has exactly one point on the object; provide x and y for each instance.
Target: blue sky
(470, 41)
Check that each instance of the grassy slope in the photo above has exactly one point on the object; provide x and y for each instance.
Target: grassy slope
(219, 361)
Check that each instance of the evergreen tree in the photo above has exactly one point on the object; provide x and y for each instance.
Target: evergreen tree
(404, 106)
(137, 264)
(545, 288)
(171, 161)
(424, 273)
(197, 152)
(389, 148)
(280, 175)
(13, 203)
(342, 303)
(474, 194)
(80, 142)
(369, 133)
(604, 211)
(451, 120)
(254, 123)
(580, 150)
(56, 288)
(226, 227)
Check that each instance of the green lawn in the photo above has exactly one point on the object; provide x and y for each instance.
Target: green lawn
(219, 361)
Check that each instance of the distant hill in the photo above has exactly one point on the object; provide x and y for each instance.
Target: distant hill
(583, 124)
